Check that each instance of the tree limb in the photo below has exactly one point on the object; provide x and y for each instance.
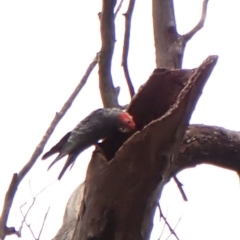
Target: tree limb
(17, 177)
(180, 185)
(200, 24)
(128, 17)
(118, 8)
(211, 145)
(109, 93)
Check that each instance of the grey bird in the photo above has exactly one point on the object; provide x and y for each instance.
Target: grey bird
(96, 126)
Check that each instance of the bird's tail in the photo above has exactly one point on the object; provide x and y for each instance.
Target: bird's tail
(70, 161)
(57, 148)
(60, 155)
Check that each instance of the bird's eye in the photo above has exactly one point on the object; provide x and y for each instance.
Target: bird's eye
(121, 129)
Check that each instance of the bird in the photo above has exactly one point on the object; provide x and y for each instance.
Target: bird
(96, 126)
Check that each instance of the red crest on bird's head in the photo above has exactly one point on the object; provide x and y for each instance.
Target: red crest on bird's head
(127, 123)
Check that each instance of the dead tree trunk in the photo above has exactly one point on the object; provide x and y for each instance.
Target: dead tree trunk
(121, 193)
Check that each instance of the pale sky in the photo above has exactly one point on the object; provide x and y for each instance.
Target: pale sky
(45, 48)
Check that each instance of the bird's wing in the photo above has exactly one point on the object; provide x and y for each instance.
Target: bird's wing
(86, 133)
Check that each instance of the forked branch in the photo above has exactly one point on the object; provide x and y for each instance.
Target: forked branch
(170, 45)
(200, 24)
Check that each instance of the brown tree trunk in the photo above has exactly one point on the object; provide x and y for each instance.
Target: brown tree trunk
(121, 193)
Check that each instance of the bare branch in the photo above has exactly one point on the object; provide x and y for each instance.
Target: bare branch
(180, 185)
(164, 225)
(172, 231)
(128, 17)
(174, 228)
(17, 178)
(211, 145)
(200, 24)
(109, 93)
(118, 8)
(21, 226)
(24, 219)
(44, 220)
(28, 210)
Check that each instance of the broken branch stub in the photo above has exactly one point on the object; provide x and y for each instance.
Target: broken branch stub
(117, 193)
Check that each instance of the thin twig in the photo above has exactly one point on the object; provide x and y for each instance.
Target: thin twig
(49, 185)
(21, 226)
(174, 227)
(172, 231)
(128, 18)
(44, 220)
(180, 185)
(28, 210)
(17, 178)
(200, 24)
(118, 8)
(164, 225)
(24, 219)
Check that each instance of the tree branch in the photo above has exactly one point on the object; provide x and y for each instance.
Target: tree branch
(44, 220)
(200, 24)
(172, 231)
(180, 185)
(128, 17)
(34, 198)
(118, 8)
(169, 45)
(209, 144)
(109, 93)
(17, 177)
